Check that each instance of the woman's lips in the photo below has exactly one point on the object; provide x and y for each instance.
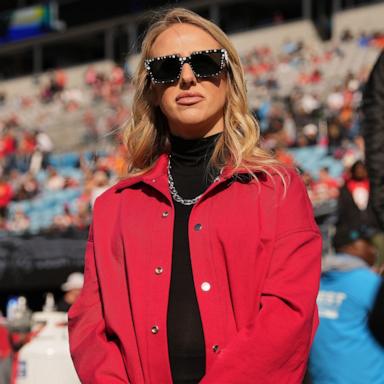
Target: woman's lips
(189, 100)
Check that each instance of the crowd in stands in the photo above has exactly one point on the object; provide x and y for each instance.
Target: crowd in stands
(304, 115)
(33, 174)
(302, 100)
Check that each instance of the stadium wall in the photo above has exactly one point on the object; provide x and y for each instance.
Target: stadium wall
(26, 85)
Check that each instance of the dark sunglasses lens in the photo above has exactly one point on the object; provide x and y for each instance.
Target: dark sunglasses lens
(206, 64)
(166, 69)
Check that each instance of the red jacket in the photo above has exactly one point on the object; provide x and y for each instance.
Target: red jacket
(256, 266)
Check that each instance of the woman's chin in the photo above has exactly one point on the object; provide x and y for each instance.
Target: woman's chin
(191, 119)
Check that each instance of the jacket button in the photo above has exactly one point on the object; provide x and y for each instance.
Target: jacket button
(215, 348)
(159, 270)
(198, 227)
(155, 329)
(205, 286)
(153, 180)
(165, 214)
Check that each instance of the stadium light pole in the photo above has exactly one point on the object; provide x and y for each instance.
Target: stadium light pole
(336, 6)
(214, 13)
(37, 60)
(132, 37)
(109, 44)
(21, 3)
(306, 6)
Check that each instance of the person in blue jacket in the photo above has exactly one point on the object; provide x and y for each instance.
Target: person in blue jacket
(344, 351)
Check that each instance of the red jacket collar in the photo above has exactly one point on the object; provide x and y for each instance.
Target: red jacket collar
(160, 169)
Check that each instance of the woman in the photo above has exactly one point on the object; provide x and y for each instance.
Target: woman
(203, 264)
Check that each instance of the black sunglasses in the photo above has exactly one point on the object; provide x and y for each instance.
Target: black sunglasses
(167, 69)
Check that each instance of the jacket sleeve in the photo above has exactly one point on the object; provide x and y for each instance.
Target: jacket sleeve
(376, 317)
(274, 348)
(373, 133)
(97, 360)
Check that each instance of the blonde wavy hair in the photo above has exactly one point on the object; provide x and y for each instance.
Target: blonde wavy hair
(146, 134)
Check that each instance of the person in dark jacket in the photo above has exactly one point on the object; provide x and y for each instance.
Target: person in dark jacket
(373, 133)
(376, 318)
(354, 206)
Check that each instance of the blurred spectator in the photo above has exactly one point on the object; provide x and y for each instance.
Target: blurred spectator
(28, 188)
(19, 223)
(15, 179)
(346, 35)
(60, 79)
(90, 76)
(289, 129)
(335, 137)
(326, 187)
(101, 184)
(71, 288)
(289, 47)
(354, 206)
(335, 100)
(55, 181)
(117, 76)
(5, 354)
(8, 147)
(344, 350)
(358, 186)
(55, 86)
(64, 221)
(82, 218)
(364, 39)
(310, 133)
(5, 196)
(70, 182)
(72, 99)
(40, 157)
(90, 123)
(26, 149)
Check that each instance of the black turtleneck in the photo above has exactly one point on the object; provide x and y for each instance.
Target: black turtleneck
(189, 169)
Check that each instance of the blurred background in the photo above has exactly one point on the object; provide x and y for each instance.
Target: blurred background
(65, 91)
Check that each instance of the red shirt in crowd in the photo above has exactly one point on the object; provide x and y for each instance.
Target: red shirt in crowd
(5, 194)
(5, 346)
(7, 145)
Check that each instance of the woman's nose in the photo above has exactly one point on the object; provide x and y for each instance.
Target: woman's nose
(187, 75)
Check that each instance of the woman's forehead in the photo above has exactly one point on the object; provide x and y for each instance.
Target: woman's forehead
(182, 39)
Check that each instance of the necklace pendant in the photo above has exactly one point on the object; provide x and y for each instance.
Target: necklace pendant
(173, 191)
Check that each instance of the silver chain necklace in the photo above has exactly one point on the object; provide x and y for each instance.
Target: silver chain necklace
(175, 194)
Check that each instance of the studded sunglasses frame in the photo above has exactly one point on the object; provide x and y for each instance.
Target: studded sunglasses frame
(186, 59)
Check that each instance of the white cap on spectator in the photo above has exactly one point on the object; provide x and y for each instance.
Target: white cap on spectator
(310, 130)
(74, 281)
